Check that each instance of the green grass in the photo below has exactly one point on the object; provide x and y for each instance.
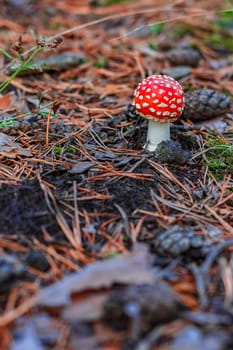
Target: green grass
(42, 112)
(219, 157)
(8, 122)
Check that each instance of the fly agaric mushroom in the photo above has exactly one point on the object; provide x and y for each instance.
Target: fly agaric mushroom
(160, 99)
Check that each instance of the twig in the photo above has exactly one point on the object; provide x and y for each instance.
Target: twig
(202, 274)
(150, 339)
(11, 315)
(125, 219)
(76, 228)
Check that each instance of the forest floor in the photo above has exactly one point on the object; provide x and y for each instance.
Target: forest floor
(104, 245)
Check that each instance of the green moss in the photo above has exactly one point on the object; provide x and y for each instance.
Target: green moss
(181, 29)
(64, 149)
(220, 39)
(219, 157)
(221, 31)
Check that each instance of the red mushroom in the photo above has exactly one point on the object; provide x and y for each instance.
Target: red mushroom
(160, 99)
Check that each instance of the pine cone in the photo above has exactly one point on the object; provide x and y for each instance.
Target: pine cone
(178, 241)
(202, 104)
(130, 112)
(153, 304)
(184, 57)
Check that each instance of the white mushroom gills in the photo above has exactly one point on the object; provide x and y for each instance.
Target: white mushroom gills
(157, 132)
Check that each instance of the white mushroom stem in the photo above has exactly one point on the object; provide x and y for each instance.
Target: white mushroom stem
(157, 132)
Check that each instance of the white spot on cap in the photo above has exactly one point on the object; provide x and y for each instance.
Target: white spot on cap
(140, 97)
(145, 104)
(148, 96)
(143, 88)
(161, 91)
(153, 94)
(179, 100)
(158, 113)
(173, 114)
(180, 109)
(169, 93)
(166, 113)
(168, 85)
(166, 98)
(138, 106)
(156, 101)
(152, 109)
(148, 90)
(173, 106)
(163, 105)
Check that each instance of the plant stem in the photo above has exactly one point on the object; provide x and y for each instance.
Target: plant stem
(6, 83)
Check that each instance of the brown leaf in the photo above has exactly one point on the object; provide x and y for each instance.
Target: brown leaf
(10, 149)
(90, 309)
(6, 100)
(130, 268)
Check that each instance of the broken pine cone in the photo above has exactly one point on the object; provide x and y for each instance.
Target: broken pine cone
(184, 57)
(202, 104)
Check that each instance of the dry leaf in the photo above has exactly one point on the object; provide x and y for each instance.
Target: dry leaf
(7, 100)
(90, 309)
(9, 148)
(130, 268)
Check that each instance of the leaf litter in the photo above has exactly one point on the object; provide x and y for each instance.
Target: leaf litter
(78, 192)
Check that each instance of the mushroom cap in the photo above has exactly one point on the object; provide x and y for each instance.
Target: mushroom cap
(159, 97)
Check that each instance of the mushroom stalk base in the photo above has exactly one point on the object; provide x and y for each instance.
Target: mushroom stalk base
(157, 132)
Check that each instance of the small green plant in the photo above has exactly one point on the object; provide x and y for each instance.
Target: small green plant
(42, 112)
(219, 157)
(59, 149)
(22, 65)
(5, 53)
(156, 28)
(152, 45)
(181, 29)
(8, 122)
(101, 63)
